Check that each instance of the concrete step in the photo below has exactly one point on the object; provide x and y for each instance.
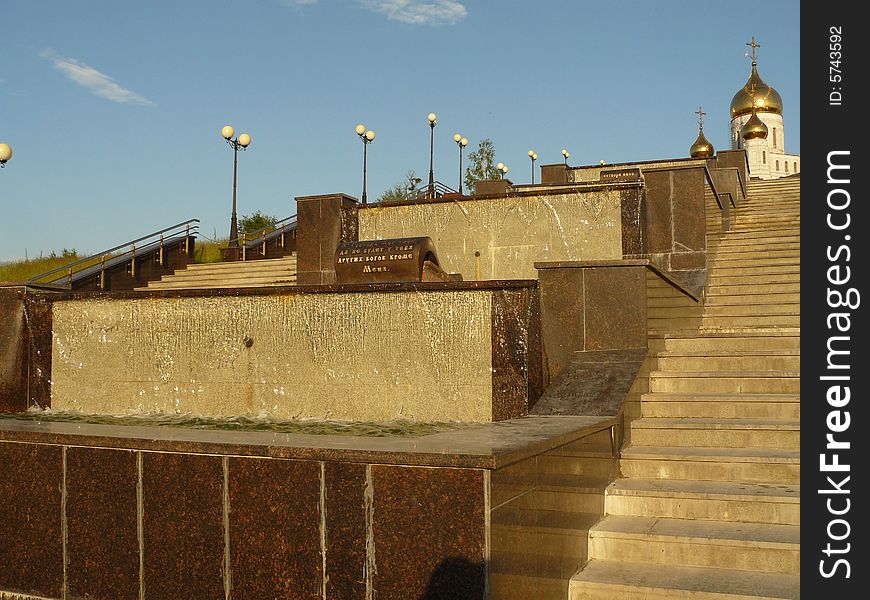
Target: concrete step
(737, 238)
(731, 343)
(727, 262)
(752, 269)
(749, 465)
(760, 360)
(721, 293)
(748, 382)
(229, 276)
(744, 252)
(720, 406)
(767, 308)
(781, 234)
(736, 323)
(705, 500)
(602, 467)
(552, 534)
(750, 279)
(518, 576)
(623, 580)
(566, 492)
(784, 221)
(743, 298)
(220, 284)
(766, 547)
(249, 265)
(717, 433)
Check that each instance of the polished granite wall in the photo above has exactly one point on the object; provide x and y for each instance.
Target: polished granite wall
(501, 237)
(460, 352)
(151, 513)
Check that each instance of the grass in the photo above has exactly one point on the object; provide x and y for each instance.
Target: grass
(207, 251)
(22, 270)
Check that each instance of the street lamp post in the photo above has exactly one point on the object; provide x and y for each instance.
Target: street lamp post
(462, 143)
(5, 154)
(566, 154)
(502, 170)
(431, 117)
(238, 143)
(367, 136)
(534, 156)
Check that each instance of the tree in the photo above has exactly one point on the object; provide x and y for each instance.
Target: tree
(255, 222)
(481, 165)
(402, 190)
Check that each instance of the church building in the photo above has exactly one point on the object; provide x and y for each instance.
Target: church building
(757, 125)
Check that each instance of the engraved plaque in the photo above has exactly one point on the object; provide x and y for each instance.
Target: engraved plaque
(394, 260)
(621, 175)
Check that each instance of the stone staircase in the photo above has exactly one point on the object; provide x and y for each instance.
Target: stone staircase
(255, 273)
(707, 504)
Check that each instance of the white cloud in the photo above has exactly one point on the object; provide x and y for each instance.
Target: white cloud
(94, 81)
(419, 12)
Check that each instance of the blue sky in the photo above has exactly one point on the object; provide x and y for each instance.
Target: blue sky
(114, 109)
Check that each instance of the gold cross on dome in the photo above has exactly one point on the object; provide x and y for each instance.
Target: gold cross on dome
(753, 45)
(700, 114)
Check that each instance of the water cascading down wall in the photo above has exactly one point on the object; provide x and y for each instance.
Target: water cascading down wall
(436, 354)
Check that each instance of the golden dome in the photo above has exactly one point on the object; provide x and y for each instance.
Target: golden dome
(701, 148)
(754, 128)
(767, 99)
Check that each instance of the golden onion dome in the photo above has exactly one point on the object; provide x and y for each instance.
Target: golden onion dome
(701, 148)
(767, 99)
(754, 128)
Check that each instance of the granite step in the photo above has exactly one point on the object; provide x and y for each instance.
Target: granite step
(748, 382)
(705, 500)
(749, 465)
(623, 580)
(720, 406)
(716, 433)
(730, 343)
(765, 547)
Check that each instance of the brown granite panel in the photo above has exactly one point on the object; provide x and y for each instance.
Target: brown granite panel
(39, 323)
(102, 531)
(183, 526)
(554, 174)
(689, 209)
(275, 529)
(510, 353)
(735, 159)
(429, 533)
(323, 222)
(308, 246)
(657, 235)
(680, 261)
(593, 383)
(14, 344)
(562, 327)
(615, 308)
(31, 544)
(631, 210)
(345, 531)
(538, 379)
(492, 187)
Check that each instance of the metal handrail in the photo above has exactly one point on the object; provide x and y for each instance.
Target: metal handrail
(436, 190)
(266, 233)
(92, 260)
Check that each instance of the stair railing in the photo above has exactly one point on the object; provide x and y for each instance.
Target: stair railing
(123, 253)
(261, 237)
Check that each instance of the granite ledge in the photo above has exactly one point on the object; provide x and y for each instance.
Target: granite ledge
(483, 446)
